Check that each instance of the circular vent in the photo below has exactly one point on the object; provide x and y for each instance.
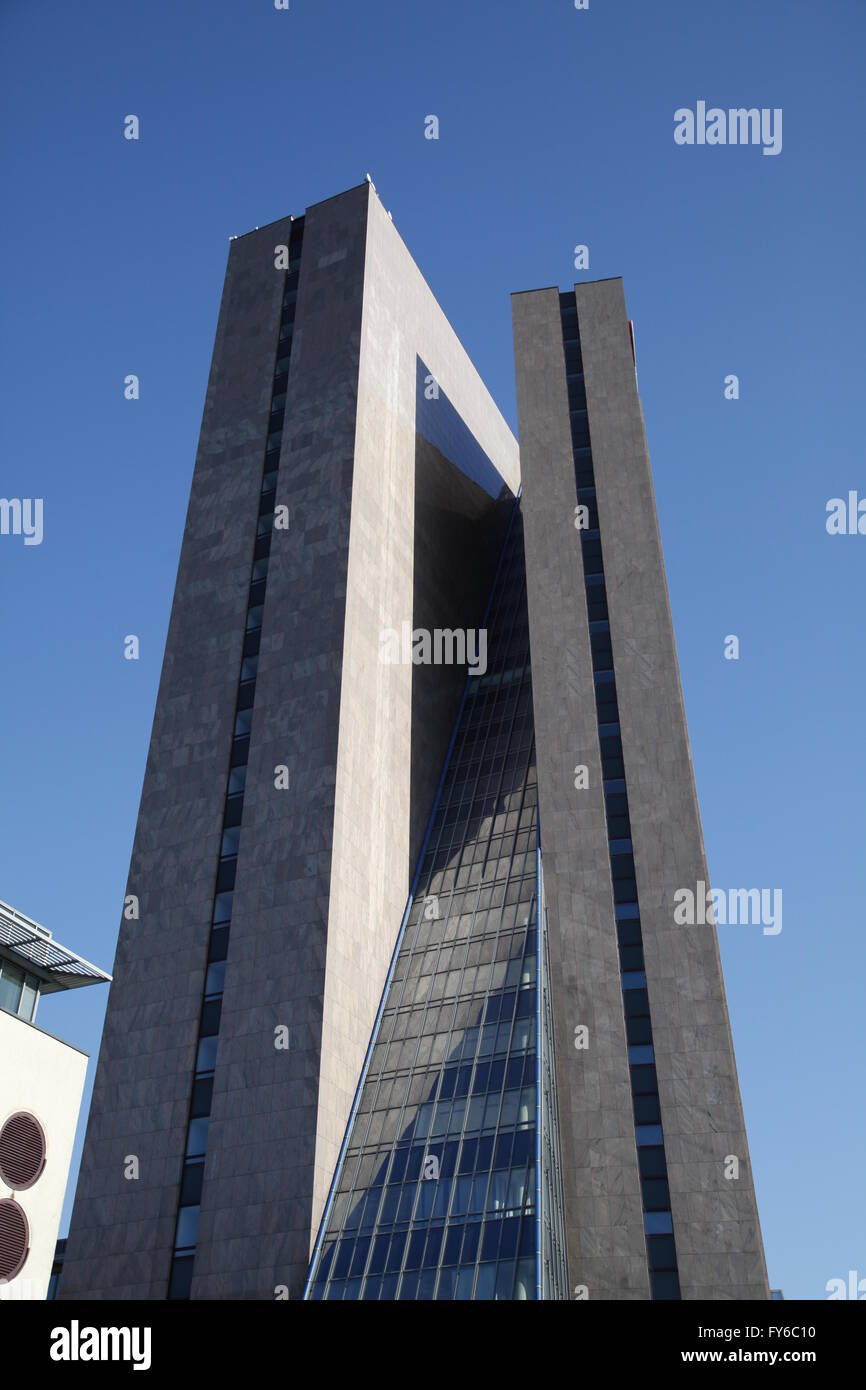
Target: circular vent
(22, 1151)
(14, 1239)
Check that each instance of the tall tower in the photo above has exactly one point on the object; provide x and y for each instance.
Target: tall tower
(369, 911)
(658, 1188)
(348, 485)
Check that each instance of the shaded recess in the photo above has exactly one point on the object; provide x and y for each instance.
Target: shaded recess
(462, 508)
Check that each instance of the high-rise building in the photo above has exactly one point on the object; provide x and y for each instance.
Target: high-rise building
(400, 1010)
(658, 1188)
(41, 1084)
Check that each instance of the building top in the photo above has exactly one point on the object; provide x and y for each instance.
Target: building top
(27, 944)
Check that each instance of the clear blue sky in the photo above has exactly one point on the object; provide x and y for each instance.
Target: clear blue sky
(556, 129)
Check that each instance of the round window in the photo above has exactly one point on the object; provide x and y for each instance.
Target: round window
(22, 1151)
(14, 1239)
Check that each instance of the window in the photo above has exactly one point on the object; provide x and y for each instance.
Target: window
(657, 1203)
(29, 997)
(187, 1228)
(651, 1162)
(191, 1184)
(644, 1080)
(202, 1095)
(622, 866)
(222, 908)
(11, 980)
(568, 313)
(639, 1030)
(240, 751)
(665, 1286)
(180, 1284)
(649, 1135)
(206, 1057)
(226, 874)
(19, 992)
(628, 933)
(215, 979)
(660, 1245)
(210, 1017)
(596, 602)
(647, 1110)
(636, 1003)
(247, 689)
(573, 359)
(243, 722)
(592, 563)
(219, 942)
(634, 980)
(579, 429)
(196, 1141)
(230, 842)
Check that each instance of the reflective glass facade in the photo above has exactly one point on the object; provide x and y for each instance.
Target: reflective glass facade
(551, 1244)
(436, 1195)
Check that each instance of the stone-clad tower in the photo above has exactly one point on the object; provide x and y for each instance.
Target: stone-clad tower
(651, 1112)
(370, 901)
(347, 479)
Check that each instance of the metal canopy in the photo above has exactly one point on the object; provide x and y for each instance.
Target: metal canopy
(33, 948)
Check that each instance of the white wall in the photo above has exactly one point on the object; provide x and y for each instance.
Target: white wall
(45, 1077)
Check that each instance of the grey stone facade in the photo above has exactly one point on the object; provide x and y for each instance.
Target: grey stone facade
(324, 866)
(715, 1219)
(396, 468)
(122, 1230)
(607, 1251)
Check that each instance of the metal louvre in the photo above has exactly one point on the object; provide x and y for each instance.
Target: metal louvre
(22, 1151)
(34, 948)
(14, 1239)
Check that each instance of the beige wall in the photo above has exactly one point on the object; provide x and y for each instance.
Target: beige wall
(44, 1076)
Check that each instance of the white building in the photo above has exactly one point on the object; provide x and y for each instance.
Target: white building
(41, 1083)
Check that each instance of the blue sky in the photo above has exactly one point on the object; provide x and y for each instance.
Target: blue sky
(556, 128)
